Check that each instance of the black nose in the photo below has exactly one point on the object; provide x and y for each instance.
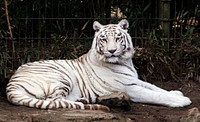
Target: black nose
(112, 51)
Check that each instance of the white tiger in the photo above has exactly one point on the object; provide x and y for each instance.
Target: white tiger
(105, 69)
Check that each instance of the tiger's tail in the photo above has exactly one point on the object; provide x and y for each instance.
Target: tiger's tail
(19, 99)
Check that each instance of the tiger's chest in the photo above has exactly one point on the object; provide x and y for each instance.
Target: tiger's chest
(109, 79)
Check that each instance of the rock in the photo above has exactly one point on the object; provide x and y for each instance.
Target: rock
(116, 100)
(62, 115)
(192, 116)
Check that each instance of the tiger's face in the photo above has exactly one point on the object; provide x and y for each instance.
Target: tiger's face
(112, 42)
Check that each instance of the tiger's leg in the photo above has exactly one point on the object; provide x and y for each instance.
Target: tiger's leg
(155, 88)
(89, 106)
(83, 100)
(79, 103)
(146, 95)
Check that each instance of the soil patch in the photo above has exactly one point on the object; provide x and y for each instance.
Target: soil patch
(138, 113)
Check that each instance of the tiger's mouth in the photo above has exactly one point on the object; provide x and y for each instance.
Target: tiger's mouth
(112, 59)
(112, 56)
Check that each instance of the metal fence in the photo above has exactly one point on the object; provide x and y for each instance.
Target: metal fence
(159, 25)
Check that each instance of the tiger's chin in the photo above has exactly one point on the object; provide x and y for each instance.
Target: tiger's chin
(112, 60)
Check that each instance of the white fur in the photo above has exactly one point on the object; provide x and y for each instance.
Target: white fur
(142, 91)
(105, 69)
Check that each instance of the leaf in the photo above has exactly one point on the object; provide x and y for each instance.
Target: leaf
(146, 7)
(84, 26)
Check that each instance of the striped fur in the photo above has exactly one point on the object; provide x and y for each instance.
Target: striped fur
(105, 69)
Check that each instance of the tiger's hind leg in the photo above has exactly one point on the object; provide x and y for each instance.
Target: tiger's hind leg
(89, 106)
(115, 100)
(83, 100)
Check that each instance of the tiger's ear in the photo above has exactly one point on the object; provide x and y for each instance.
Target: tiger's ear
(124, 24)
(97, 26)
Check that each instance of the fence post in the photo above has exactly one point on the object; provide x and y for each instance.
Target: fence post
(165, 16)
(165, 22)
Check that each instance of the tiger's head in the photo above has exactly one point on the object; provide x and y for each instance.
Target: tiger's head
(112, 42)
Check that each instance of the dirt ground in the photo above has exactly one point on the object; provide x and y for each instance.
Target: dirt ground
(138, 113)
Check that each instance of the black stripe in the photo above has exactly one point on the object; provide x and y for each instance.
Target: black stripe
(93, 76)
(27, 90)
(82, 80)
(40, 105)
(131, 84)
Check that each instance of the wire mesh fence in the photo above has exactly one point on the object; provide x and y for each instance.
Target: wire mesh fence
(50, 30)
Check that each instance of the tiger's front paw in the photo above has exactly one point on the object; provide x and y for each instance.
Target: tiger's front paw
(179, 101)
